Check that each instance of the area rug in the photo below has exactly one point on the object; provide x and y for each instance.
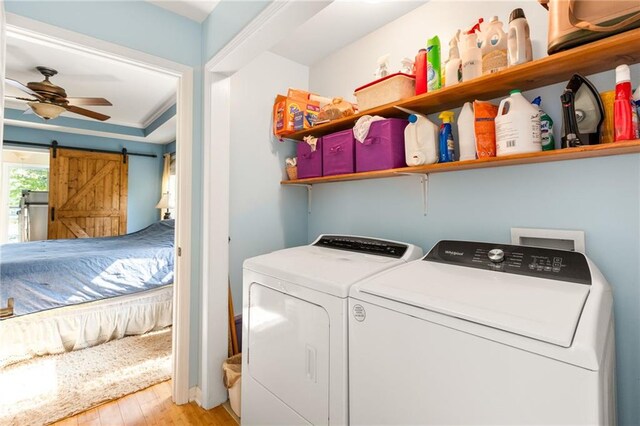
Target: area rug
(46, 389)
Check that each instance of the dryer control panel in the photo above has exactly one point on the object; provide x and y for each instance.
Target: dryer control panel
(522, 260)
(363, 245)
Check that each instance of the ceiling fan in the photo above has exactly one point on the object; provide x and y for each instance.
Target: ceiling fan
(51, 100)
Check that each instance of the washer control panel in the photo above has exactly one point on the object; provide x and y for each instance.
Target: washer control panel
(363, 245)
(522, 260)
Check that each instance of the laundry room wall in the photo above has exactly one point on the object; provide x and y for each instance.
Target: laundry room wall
(264, 216)
(145, 173)
(600, 196)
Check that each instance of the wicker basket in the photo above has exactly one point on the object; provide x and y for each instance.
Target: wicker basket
(292, 172)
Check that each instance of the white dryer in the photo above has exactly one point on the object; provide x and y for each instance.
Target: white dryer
(294, 331)
(480, 333)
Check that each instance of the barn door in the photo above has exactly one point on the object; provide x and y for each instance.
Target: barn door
(87, 194)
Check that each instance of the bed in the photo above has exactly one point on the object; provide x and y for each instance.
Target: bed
(72, 294)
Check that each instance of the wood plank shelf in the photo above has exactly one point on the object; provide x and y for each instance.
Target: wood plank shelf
(598, 56)
(602, 150)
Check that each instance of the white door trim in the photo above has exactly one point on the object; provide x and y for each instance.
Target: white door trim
(266, 30)
(20, 26)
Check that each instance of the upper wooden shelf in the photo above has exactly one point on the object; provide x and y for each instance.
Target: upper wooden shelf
(602, 150)
(598, 56)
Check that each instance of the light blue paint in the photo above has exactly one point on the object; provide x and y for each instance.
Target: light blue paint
(225, 22)
(163, 118)
(150, 29)
(170, 148)
(599, 196)
(145, 173)
(75, 123)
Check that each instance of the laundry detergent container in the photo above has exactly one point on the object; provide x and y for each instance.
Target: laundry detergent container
(384, 146)
(309, 159)
(338, 153)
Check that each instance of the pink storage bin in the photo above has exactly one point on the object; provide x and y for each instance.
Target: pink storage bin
(384, 146)
(309, 162)
(338, 153)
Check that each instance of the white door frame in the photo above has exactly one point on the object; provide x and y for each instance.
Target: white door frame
(269, 27)
(24, 27)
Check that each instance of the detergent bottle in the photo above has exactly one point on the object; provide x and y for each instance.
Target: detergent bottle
(420, 141)
(494, 47)
(517, 126)
(453, 66)
(471, 54)
(518, 41)
(623, 129)
(420, 66)
(466, 133)
(433, 64)
(446, 145)
(546, 127)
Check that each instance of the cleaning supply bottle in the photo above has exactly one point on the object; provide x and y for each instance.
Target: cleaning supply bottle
(420, 141)
(519, 40)
(517, 126)
(636, 104)
(622, 116)
(446, 145)
(453, 66)
(466, 133)
(433, 64)
(546, 127)
(494, 47)
(383, 66)
(471, 54)
(421, 71)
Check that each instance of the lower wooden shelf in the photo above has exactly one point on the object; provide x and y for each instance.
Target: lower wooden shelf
(590, 151)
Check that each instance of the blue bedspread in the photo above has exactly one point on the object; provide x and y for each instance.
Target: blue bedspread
(42, 275)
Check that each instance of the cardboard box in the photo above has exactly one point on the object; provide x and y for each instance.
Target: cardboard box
(291, 115)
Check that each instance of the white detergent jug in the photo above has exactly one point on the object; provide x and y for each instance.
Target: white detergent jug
(466, 133)
(517, 126)
(420, 141)
(494, 47)
(519, 40)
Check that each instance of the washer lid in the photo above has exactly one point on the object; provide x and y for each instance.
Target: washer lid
(539, 308)
(332, 264)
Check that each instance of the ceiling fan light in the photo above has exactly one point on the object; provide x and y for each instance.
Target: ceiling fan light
(46, 110)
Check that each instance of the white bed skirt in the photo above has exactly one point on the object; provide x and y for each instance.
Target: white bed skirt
(77, 327)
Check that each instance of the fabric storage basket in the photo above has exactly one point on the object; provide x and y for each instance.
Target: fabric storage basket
(338, 153)
(309, 159)
(383, 147)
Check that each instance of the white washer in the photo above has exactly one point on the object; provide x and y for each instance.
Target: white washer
(480, 333)
(294, 331)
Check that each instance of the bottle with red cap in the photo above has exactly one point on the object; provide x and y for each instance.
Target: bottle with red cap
(421, 72)
(623, 123)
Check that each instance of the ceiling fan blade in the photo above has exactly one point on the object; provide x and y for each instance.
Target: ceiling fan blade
(87, 113)
(22, 87)
(89, 101)
(20, 98)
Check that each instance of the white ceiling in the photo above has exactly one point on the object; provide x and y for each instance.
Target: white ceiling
(339, 24)
(138, 94)
(196, 10)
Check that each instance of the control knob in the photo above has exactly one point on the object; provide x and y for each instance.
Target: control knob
(496, 255)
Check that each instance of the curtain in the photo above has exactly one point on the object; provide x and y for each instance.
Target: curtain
(166, 173)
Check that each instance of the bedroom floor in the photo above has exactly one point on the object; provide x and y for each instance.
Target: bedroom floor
(151, 406)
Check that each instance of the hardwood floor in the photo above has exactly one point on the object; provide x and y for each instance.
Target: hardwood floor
(152, 407)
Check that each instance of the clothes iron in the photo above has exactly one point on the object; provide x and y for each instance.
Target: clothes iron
(582, 113)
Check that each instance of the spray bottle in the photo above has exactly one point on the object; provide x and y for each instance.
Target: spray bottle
(433, 64)
(453, 66)
(471, 54)
(447, 148)
(546, 127)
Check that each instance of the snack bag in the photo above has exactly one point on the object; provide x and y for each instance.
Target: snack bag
(485, 128)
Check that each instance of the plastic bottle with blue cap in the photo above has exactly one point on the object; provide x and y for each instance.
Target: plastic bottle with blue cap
(446, 144)
(420, 141)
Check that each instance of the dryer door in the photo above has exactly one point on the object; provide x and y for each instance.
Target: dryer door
(289, 351)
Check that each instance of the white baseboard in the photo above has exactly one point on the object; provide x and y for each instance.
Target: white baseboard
(195, 394)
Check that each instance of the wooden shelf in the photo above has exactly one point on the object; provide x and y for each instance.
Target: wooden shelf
(598, 56)
(602, 150)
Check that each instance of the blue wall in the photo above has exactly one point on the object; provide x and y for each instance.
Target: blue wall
(145, 173)
(142, 26)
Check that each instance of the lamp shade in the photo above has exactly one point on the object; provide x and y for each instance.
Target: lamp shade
(165, 202)
(46, 110)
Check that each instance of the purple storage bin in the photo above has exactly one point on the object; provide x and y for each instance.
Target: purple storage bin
(384, 146)
(338, 153)
(309, 162)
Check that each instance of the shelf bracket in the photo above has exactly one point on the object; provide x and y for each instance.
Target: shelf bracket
(424, 182)
(309, 194)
